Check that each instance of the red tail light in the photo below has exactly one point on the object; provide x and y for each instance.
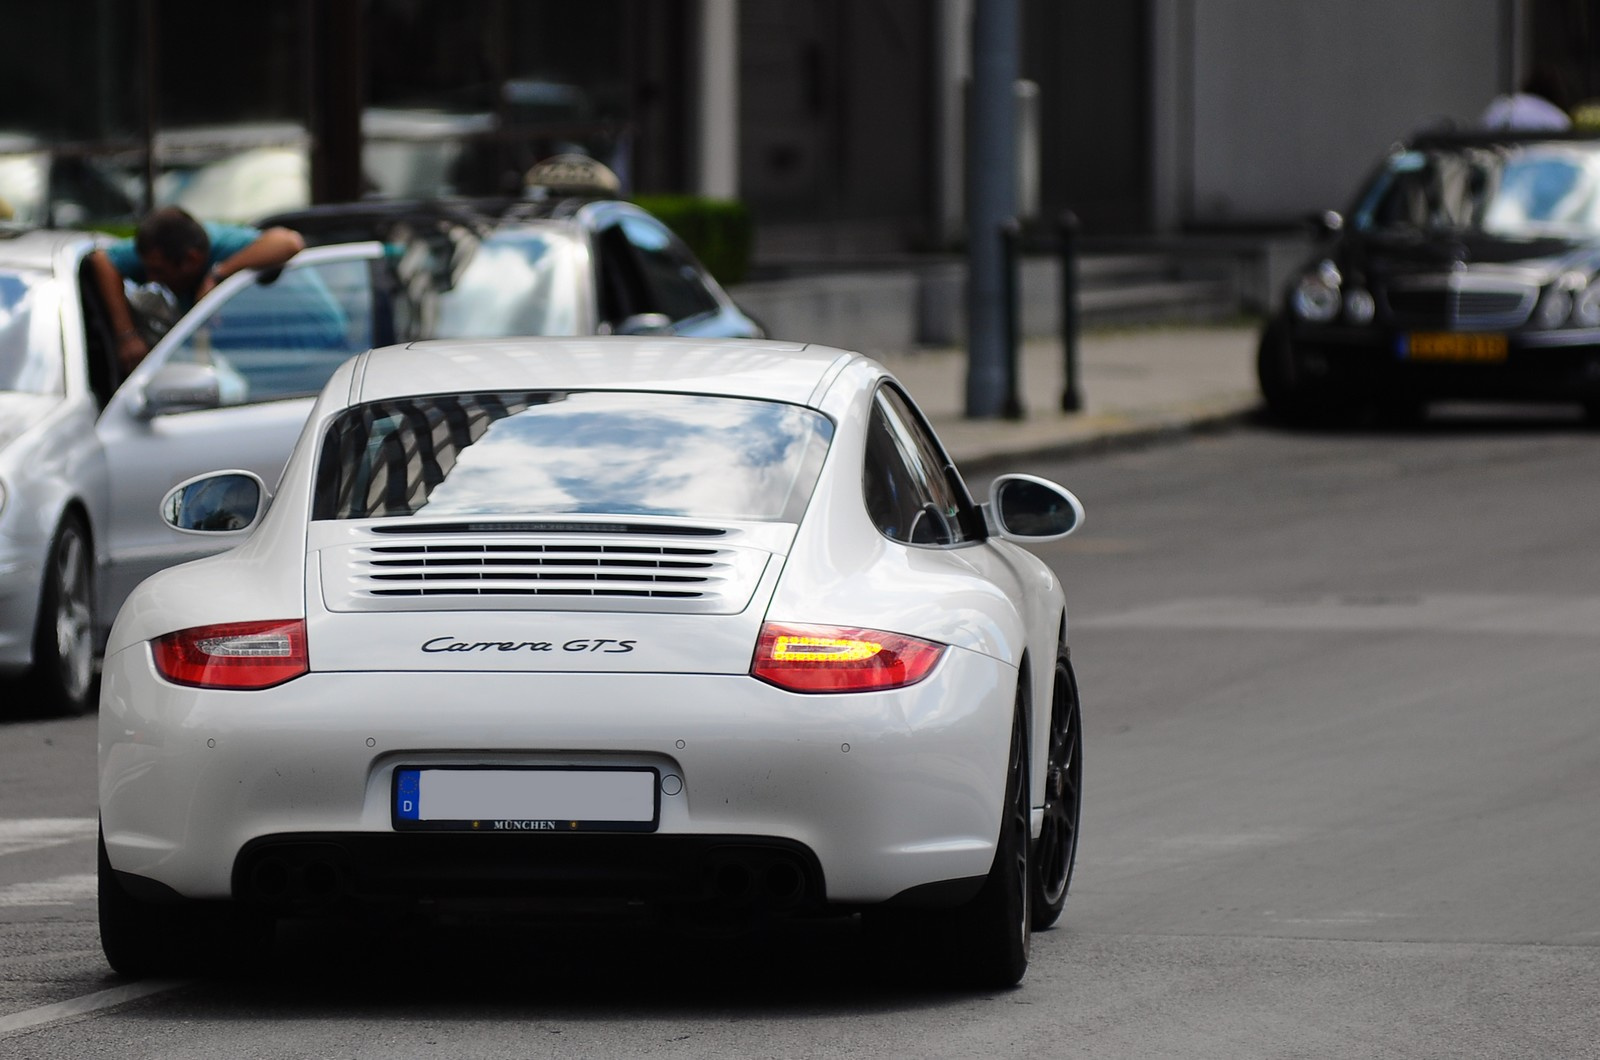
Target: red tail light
(840, 658)
(240, 655)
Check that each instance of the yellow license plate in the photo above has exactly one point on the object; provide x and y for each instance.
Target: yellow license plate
(1455, 346)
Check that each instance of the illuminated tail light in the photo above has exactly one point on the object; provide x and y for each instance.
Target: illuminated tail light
(840, 658)
(241, 655)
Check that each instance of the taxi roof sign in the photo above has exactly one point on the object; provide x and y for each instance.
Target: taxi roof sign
(572, 174)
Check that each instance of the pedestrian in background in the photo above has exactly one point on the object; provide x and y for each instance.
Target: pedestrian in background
(188, 258)
(1541, 106)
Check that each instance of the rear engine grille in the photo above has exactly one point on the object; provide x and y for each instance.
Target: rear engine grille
(542, 570)
(540, 573)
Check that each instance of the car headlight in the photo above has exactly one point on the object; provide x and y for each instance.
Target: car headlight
(1359, 306)
(1555, 305)
(1316, 297)
(1586, 307)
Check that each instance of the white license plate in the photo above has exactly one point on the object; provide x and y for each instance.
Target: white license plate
(526, 800)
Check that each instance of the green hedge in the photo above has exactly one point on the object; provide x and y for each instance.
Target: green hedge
(718, 231)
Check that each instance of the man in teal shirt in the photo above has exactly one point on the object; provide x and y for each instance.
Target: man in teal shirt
(188, 258)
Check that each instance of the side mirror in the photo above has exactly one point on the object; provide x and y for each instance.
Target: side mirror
(644, 324)
(1025, 508)
(223, 502)
(181, 388)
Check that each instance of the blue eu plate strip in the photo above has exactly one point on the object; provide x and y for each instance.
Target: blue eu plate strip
(407, 794)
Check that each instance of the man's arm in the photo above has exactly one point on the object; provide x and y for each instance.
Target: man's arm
(270, 249)
(130, 347)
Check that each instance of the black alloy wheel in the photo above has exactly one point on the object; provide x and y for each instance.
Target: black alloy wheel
(997, 926)
(985, 943)
(1056, 849)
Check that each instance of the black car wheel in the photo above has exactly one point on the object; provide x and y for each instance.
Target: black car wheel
(1289, 397)
(996, 928)
(63, 643)
(137, 938)
(144, 939)
(1056, 849)
(984, 943)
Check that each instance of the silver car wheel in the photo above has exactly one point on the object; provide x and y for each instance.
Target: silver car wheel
(74, 614)
(63, 673)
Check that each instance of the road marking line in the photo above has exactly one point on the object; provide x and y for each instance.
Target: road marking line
(1570, 616)
(20, 835)
(63, 890)
(78, 1006)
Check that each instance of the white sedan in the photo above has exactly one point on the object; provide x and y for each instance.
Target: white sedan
(557, 625)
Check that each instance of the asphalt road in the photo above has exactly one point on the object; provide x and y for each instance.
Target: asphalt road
(1342, 698)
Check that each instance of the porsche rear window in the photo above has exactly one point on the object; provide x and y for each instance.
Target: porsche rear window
(583, 452)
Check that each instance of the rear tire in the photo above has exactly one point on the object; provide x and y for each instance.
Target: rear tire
(985, 943)
(63, 641)
(1056, 850)
(997, 926)
(135, 935)
(146, 939)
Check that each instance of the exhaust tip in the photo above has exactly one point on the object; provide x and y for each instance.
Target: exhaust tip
(783, 883)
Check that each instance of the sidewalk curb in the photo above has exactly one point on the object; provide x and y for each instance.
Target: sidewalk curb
(1109, 433)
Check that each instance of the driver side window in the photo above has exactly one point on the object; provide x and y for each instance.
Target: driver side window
(284, 339)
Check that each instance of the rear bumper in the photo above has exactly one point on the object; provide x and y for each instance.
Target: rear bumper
(558, 875)
(858, 797)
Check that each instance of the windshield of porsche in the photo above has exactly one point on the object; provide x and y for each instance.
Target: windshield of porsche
(580, 452)
(1516, 192)
(31, 358)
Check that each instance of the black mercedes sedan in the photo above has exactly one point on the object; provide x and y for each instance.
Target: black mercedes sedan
(1468, 268)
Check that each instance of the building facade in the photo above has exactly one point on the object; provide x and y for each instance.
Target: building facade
(839, 122)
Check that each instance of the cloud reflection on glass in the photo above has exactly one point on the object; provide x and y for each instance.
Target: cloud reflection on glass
(622, 454)
(516, 285)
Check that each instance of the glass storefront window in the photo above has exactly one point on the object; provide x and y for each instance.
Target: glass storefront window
(110, 106)
(232, 142)
(68, 122)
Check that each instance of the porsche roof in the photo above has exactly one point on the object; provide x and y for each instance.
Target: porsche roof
(780, 371)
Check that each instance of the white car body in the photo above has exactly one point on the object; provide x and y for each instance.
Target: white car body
(835, 800)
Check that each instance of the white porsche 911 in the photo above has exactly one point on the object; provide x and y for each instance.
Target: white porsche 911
(553, 626)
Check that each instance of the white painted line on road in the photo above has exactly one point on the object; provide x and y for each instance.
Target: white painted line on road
(1398, 612)
(63, 890)
(78, 1006)
(20, 835)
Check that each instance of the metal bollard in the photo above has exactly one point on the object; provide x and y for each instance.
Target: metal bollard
(1011, 265)
(1067, 226)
